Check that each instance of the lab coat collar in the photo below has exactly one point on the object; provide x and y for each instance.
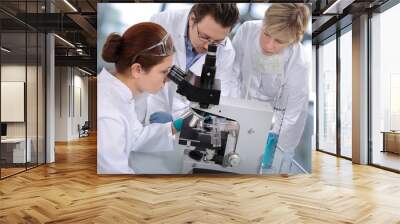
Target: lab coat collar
(180, 37)
(118, 86)
(183, 24)
(186, 35)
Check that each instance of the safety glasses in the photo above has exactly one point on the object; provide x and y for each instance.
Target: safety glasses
(162, 49)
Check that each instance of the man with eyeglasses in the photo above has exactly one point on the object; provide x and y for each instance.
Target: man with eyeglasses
(192, 30)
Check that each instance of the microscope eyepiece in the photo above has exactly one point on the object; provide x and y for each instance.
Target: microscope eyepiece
(212, 48)
(176, 74)
(211, 56)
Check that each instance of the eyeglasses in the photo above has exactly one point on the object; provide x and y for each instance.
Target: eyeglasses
(161, 49)
(204, 38)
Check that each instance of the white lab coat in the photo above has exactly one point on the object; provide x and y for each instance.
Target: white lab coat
(120, 130)
(175, 22)
(265, 87)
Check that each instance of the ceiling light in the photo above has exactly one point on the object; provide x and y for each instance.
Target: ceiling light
(337, 7)
(5, 50)
(84, 71)
(64, 40)
(70, 5)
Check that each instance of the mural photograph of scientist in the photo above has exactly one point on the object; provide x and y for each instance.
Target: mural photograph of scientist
(204, 88)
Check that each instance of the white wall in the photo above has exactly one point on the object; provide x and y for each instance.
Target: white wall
(71, 93)
(62, 80)
(79, 117)
(14, 73)
(33, 126)
(17, 73)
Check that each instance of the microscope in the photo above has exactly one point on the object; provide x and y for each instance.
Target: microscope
(219, 134)
(204, 90)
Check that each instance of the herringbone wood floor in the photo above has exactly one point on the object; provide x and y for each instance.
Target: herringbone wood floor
(70, 191)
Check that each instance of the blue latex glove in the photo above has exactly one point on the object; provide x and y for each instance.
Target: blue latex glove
(178, 123)
(269, 150)
(160, 117)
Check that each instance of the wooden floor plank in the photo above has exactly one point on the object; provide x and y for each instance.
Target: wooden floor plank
(70, 191)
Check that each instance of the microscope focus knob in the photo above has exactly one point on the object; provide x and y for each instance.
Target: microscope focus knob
(233, 159)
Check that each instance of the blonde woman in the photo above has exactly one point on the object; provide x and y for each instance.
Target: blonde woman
(270, 56)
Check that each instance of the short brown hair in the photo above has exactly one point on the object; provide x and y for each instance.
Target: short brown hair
(287, 20)
(225, 14)
(121, 49)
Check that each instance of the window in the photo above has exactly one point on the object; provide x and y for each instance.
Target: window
(22, 69)
(385, 89)
(394, 101)
(346, 94)
(327, 97)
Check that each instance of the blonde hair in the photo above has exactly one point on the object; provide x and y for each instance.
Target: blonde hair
(286, 21)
